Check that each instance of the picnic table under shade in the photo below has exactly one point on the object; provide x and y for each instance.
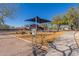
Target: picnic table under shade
(37, 20)
(38, 27)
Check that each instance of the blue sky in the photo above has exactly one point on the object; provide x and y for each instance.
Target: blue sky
(43, 10)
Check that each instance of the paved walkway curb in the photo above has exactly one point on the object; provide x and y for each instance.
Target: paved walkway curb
(25, 40)
(21, 39)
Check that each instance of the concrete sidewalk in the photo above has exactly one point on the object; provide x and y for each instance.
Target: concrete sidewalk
(62, 43)
(11, 46)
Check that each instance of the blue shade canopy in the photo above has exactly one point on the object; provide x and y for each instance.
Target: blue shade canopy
(38, 20)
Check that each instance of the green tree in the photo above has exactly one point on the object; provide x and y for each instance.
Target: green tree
(58, 21)
(44, 25)
(72, 17)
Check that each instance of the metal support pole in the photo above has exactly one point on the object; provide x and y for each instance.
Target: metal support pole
(36, 23)
(34, 39)
(34, 46)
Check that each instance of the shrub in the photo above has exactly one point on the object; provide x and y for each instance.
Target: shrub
(23, 32)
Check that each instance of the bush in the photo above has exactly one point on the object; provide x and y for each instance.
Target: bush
(23, 32)
(16, 32)
(20, 32)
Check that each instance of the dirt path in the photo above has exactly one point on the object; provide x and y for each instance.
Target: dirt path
(11, 46)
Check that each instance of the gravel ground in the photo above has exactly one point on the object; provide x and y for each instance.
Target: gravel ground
(62, 44)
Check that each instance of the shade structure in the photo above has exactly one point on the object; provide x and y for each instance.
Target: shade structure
(38, 20)
(38, 26)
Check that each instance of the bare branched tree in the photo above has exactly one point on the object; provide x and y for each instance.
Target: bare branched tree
(71, 50)
(75, 38)
(37, 50)
(7, 11)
